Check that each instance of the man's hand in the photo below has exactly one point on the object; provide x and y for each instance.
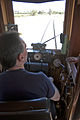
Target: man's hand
(72, 59)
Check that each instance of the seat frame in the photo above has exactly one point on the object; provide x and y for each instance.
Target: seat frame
(35, 109)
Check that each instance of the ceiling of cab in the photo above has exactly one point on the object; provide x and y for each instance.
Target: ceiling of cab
(36, 1)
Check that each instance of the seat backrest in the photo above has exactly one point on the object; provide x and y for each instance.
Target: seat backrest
(36, 109)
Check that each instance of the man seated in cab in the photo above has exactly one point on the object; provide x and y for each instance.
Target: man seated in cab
(16, 83)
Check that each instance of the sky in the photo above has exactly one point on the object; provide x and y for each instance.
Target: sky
(54, 6)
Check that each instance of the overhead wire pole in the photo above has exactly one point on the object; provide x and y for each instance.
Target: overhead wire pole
(54, 35)
(45, 30)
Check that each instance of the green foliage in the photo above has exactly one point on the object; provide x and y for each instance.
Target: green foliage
(41, 12)
(35, 12)
(50, 12)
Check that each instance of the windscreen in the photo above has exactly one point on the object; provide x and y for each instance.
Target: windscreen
(40, 22)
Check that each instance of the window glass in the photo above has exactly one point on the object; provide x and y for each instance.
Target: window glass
(39, 22)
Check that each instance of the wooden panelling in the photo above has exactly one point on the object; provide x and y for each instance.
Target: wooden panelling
(72, 26)
(7, 11)
(1, 20)
(78, 2)
(69, 17)
(75, 35)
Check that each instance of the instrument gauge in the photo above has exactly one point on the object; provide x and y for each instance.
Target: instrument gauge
(37, 56)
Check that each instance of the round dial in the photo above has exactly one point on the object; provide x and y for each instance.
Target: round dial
(37, 56)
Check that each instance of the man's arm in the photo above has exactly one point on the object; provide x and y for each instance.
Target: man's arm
(56, 96)
(51, 90)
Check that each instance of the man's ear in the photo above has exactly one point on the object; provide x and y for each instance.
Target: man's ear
(20, 57)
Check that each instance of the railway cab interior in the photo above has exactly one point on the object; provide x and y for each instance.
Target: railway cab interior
(65, 74)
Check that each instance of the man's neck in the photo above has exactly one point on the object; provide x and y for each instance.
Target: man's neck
(16, 67)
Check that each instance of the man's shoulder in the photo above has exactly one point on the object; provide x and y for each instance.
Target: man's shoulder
(38, 75)
(2, 73)
(34, 73)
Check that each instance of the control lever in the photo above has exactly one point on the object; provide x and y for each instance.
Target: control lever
(58, 63)
(62, 65)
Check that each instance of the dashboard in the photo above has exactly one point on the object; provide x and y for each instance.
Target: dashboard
(54, 65)
(45, 60)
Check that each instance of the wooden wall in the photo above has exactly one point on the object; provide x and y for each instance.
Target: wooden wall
(1, 20)
(72, 26)
(74, 49)
(6, 12)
